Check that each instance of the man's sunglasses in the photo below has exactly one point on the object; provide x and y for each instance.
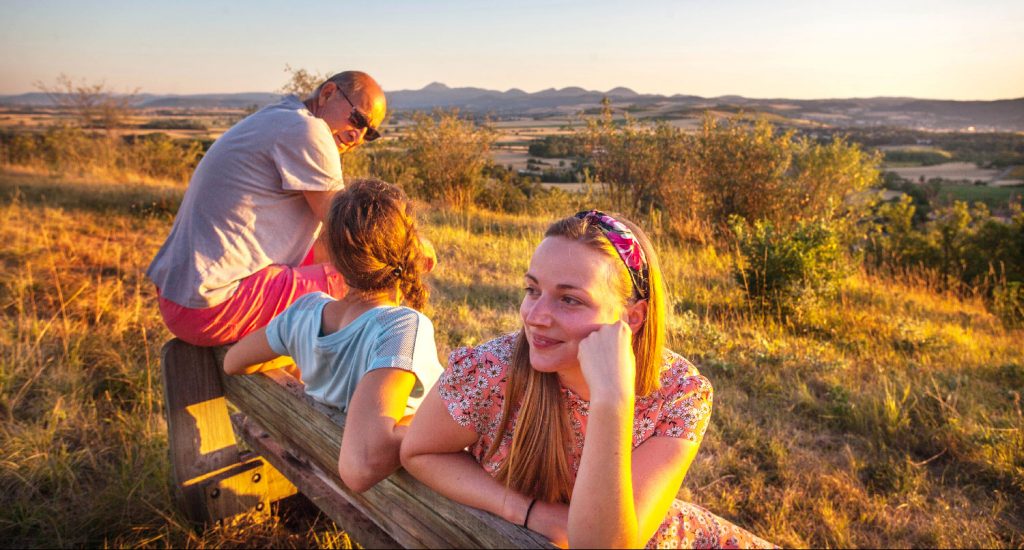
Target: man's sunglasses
(360, 120)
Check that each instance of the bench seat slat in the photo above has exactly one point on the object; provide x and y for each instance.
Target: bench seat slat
(314, 483)
(404, 508)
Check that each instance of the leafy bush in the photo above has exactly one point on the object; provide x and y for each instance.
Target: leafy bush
(504, 190)
(922, 157)
(557, 147)
(66, 150)
(695, 182)
(780, 268)
(174, 124)
(635, 164)
(963, 245)
(966, 249)
(449, 155)
(160, 156)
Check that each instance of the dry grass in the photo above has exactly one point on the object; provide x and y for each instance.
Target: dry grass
(83, 447)
(891, 417)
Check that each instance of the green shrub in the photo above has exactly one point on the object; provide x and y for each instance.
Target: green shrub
(160, 156)
(557, 147)
(71, 150)
(696, 181)
(781, 268)
(505, 195)
(174, 124)
(449, 155)
(929, 157)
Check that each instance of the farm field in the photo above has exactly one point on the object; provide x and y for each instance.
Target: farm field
(178, 124)
(994, 197)
(891, 417)
(953, 171)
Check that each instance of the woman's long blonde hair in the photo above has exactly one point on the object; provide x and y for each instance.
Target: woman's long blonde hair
(538, 462)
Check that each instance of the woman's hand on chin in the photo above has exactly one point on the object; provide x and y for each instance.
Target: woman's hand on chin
(608, 364)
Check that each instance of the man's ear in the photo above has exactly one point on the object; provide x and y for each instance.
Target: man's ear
(326, 91)
(636, 314)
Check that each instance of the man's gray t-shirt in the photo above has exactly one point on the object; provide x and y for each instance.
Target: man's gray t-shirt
(332, 365)
(244, 209)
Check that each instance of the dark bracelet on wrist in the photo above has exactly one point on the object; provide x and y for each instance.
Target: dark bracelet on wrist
(528, 510)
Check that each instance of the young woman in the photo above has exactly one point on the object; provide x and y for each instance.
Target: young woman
(363, 353)
(581, 426)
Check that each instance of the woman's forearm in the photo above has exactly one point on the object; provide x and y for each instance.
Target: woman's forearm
(602, 512)
(459, 477)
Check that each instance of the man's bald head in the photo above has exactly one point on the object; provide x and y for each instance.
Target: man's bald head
(362, 89)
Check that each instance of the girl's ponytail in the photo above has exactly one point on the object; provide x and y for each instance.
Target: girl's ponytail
(373, 242)
(414, 292)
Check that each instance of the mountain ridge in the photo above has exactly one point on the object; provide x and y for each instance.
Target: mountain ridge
(937, 114)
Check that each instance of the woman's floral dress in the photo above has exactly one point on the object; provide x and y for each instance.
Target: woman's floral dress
(473, 388)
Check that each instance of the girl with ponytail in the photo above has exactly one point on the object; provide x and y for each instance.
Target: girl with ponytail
(365, 353)
(580, 426)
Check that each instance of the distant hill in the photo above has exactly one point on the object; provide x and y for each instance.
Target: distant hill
(514, 101)
(209, 101)
(1000, 115)
(166, 101)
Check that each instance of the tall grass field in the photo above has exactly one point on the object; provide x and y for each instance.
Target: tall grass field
(891, 416)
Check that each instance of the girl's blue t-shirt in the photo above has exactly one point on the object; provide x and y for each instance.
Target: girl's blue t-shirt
(332, 365)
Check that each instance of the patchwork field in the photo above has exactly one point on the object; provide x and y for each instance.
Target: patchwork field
(952, 171)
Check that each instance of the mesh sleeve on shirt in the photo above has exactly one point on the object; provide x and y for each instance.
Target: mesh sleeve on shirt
(397, 343)
(406, 341)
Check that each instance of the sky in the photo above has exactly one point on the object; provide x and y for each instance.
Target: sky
(798, 49)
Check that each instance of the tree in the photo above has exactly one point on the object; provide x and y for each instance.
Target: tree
(634, 162)
(695, 181)
(301, 82)
(449, 155)
(92, 105)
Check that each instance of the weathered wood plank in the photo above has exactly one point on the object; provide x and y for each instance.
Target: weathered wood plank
(213, 479)
(403, 507)
(199, 432)
(315, 484)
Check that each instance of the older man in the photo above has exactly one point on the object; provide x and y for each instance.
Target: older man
(253, 210)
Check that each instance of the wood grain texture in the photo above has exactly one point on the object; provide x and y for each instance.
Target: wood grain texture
(412, 514)
(199, 434)
(315, 484)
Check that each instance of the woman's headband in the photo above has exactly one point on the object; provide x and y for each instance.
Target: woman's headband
(626, 244)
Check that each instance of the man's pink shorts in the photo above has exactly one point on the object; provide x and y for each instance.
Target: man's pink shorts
(259, 298)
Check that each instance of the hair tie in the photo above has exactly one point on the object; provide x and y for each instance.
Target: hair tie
(528, 510)
(627, 246)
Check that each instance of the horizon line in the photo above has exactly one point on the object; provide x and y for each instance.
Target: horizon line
(556, 89)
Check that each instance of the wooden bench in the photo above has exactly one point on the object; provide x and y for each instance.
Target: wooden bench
(294, 444)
